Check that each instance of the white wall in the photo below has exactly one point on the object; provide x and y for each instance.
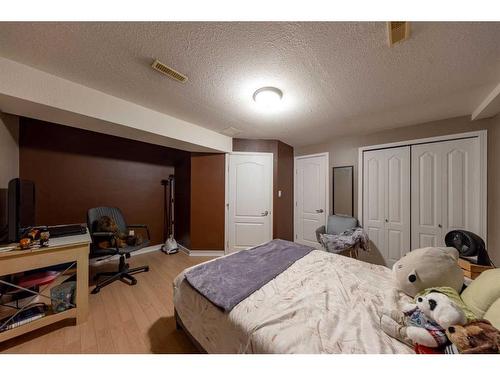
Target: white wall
(344, 151)
(9, 148)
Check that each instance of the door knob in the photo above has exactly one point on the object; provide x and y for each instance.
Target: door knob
(386, 220)
(265, 213)
(440, 226)
(320, 211)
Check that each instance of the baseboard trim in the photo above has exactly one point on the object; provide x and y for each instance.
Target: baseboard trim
(201, 253)
(148, 249)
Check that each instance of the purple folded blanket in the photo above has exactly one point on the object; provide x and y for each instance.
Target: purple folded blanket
(228, 281)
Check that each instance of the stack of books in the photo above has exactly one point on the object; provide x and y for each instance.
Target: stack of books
(28, 315)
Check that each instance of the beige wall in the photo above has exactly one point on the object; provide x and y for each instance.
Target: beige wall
(344, 151)
(9, 148)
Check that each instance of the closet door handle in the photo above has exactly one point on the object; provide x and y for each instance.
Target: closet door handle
(386, 220)
(320, 211)
(440, 226)
(265, 213)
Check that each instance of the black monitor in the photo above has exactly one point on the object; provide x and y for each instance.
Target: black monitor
(21, 207)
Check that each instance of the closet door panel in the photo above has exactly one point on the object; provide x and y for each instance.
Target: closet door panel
(397, 161)
(426, 195)
(374, 197)
(461, 205)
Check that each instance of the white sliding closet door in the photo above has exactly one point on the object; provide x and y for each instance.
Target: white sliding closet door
(445, 190)
(386, 201)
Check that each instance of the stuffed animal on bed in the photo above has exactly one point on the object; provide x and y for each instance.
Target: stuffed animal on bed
(423, 324)
(476, 337)
(429, 267)
(433, 277)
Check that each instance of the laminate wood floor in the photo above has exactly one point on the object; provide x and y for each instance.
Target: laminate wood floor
(122, 318)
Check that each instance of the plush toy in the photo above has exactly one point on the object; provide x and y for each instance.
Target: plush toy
(428, 267)
(108, 224)
(433, 276)
(424, 323)
(476, 337)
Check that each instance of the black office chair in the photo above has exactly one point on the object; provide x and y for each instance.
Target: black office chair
(124, 272)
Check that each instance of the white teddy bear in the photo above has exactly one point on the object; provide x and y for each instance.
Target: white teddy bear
(425, 321)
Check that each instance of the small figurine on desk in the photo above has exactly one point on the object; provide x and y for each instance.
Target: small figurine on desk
(34, 237)
(44, 238)
(25, 243)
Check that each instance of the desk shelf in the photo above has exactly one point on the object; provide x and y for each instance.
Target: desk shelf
(59, 253)
(39, 323)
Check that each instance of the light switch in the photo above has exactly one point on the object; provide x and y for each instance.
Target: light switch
(279, 193)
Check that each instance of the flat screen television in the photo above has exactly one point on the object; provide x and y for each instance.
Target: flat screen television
(21, 207)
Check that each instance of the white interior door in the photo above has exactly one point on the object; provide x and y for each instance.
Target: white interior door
(446, 190)
(250, 200)
(311, 197)
(386, 201)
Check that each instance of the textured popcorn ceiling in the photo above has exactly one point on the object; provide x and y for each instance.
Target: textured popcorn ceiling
(337, 78)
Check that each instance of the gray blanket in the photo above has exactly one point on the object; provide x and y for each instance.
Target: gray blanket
(336, 243)
(228, 281)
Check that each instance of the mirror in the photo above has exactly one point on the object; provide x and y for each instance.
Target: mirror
(343, 190)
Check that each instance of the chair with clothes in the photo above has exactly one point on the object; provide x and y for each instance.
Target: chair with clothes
(124, 272)
(337, 225)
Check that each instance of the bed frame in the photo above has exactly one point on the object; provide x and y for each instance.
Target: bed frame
(179, 325)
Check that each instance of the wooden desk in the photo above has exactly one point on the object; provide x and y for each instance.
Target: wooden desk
(61, 250)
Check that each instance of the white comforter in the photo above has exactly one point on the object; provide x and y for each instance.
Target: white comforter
(323, 303)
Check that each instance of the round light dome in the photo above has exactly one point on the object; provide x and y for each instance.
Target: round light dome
(268, 97)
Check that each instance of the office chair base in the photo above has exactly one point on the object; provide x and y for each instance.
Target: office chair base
(124, 274)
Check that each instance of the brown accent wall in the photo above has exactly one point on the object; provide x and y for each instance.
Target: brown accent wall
(200, 195)
(282, 180)
(207, 201)
(182, 209)
(75, 170)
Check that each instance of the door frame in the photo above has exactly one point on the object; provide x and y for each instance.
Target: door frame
(226, 193)
(482, 136)
(326, 155)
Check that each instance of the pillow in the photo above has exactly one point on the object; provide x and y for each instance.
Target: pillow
(482, 292)
(493, 314)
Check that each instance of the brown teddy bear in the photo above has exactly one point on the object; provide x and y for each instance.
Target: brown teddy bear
(476, 337)
(108, 224)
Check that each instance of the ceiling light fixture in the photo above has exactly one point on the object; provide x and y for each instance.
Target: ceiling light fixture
(268, 97)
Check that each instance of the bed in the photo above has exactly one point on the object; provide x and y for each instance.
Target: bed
(323, 303)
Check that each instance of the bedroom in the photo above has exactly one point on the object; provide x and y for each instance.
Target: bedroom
(286, 181)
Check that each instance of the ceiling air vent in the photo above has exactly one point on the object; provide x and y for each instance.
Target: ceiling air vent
(398, 31)
(168, 71)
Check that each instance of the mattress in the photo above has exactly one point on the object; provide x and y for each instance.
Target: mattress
(323, 303)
